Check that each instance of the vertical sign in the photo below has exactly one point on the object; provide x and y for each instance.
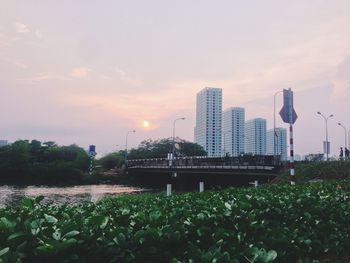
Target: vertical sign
(92, 154)
(289, 116)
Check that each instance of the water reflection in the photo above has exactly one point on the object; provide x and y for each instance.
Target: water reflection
(11, 195)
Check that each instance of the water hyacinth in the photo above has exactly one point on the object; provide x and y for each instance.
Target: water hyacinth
(306, 223)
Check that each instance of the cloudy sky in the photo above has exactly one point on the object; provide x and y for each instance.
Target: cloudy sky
(87, 71)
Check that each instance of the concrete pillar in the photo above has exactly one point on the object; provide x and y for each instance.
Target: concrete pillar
(168, 190)
(201, 187)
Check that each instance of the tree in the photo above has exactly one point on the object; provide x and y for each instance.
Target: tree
(161, 147)
(24, 162)
(112, 160)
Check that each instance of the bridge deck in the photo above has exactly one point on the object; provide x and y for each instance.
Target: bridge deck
(264, 164)
(206, 167)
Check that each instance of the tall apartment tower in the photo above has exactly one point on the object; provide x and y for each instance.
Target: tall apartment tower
(255, 136)
(208, 129)
(3, 143)
(233, 131)
(281, 143)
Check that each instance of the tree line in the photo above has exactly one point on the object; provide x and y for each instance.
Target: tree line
(24, 162)
(153, 149)
(36, 162)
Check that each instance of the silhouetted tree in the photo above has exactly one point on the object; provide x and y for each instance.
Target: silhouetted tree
(160, 149)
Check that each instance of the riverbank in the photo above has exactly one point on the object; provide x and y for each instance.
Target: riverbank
(279, 223)
(316, 171)
(67, 195)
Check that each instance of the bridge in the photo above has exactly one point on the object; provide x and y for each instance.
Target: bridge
(217, 170)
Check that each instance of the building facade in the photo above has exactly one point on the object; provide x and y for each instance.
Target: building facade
(255, 136)
(3, 143)
(208, 131)
(233, 131)
(281, 143)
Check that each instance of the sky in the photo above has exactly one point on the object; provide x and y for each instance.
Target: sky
(86, 72)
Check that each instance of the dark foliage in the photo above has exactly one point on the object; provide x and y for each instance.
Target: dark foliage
(280, 223)
(36, 162)
(160, 149)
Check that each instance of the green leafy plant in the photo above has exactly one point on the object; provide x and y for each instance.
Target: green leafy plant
(279, 223)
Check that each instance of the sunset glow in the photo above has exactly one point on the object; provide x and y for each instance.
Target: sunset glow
(138, 69)
(146, 124)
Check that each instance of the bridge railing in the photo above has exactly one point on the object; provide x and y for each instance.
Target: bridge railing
(246, 160)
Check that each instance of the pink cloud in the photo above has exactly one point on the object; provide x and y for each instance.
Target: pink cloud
(80, 72)
(44, 76)
(21, 28)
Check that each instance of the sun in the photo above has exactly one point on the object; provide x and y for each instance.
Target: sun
(146, 124)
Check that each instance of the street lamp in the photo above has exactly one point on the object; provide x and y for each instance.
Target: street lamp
(173, 144)
(274, 122)
(345, 134)
(225, 140)
(326, 120)
(126, 145)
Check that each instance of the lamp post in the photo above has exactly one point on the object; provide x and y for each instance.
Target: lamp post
(326, 120)
(126, 145)
(225, 140)
(346, 144)
(173, 144)
(274, 122)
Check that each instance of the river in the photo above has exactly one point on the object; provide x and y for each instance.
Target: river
(11, 195)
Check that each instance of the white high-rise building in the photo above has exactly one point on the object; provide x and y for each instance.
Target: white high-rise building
(233, 131)
(281, 143)
(208, 129)
(255, 136)
(3, 143)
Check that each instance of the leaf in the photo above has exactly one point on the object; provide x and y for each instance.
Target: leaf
(98, 220)
(104, 222)
(228, 206)
(71, 234)
(35, 231)
(6, 224)
(201, 216)
(71, 241)
(125, 211)
(4, 251)
(119, 239)
(307, 242)
(45, 249)
(27, 203)
(154, 215)
(38, 199)
(270, 256)
(57, 234)
(50, 219)
(15, 235)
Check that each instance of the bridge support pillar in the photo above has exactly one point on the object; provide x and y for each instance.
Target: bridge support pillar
(168, 190)
(201, 187)
(256, 183)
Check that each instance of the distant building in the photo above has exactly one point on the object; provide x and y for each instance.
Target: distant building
(233, 131)
(314, 157)
(3, 143)
(208, 129)
(281, 143)
(298, 157)
(255, 136)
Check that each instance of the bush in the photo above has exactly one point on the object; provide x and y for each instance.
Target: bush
(276, 223)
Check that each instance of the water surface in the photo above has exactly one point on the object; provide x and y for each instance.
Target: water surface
(11, 195)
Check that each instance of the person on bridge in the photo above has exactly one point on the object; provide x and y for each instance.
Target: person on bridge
(341, 154)
(347, 152)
